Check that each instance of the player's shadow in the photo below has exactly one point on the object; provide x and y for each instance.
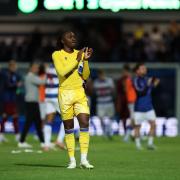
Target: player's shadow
(40, 165)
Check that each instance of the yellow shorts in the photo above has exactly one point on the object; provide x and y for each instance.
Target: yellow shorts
(72, 103)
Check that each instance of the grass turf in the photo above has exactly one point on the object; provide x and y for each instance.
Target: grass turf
(112, 160)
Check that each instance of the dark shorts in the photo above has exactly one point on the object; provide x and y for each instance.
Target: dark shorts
(10, 108)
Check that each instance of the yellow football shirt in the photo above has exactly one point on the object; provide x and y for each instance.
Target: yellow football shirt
(66, 67)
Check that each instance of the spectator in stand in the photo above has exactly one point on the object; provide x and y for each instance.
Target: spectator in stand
(156, 40)
(139, 32)
(112, 44)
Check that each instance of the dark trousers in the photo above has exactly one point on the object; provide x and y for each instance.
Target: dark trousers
(32, 115)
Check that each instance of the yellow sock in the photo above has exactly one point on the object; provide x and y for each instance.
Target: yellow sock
(84, 142)
(70, 142)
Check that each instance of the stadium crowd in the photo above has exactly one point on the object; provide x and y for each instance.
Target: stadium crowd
(110, 42)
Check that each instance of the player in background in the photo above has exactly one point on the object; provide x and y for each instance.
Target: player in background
(12, 81)
(144, 110)
(126, 97)
(104, 91)
(42, 105)
(52, 107)
(72, 69)
(32, 83)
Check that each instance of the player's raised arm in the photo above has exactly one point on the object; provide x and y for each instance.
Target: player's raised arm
(141, 88)
(63, 70)
(87, 54)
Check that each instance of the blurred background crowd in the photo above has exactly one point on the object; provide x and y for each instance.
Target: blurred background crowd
(111, 42)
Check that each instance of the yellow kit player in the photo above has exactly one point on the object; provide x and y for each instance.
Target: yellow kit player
(72, 69)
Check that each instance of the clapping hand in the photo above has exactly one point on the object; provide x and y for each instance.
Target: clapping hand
(156, 82)
(87, 53)
(79, 55)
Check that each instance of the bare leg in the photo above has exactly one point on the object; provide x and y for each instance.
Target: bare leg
(83, 120)
(137, 136)
(60, 138)
(152, 128)
(151, 135)
(2, 124)
(48, 130)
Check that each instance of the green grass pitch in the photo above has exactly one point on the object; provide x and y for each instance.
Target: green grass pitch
(112, 160)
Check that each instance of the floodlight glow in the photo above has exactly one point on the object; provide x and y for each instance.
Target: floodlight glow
(27, 6)
(92, 4)
(79, 4)
(117, 5)
(64, 4)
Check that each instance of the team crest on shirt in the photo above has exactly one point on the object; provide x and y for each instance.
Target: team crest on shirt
(65, 58)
